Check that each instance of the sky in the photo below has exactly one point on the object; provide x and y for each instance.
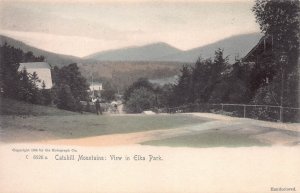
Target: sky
(81, 28)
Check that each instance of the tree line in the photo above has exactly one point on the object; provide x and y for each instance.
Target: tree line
(70, 87)
(20, 85)
(272, 80)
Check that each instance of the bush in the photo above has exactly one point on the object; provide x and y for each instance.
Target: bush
(65, 99)
(140, 99)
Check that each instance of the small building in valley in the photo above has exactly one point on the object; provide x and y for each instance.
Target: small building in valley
(96, 88)
(43, 71)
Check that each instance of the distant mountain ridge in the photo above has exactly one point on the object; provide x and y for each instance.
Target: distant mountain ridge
(52, 58)
(136, 53)
(234, 47)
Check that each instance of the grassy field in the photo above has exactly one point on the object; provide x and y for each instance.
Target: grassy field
(209, 139)
(27, 122)
(19, 108)
(78, 126)
(21, 122)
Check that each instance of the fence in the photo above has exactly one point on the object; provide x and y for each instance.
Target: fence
(263, 112)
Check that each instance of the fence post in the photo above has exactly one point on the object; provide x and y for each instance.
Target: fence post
(244, 111)
(280, 114)
(222, 106)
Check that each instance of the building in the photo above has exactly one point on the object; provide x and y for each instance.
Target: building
(261, 52)
(96, 88)
(43, 71)
(261, 57)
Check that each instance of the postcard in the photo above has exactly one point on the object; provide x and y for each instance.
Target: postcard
(143, 96)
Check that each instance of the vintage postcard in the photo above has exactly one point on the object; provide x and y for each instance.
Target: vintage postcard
(140, 96)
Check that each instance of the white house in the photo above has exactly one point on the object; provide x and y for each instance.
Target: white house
(43, 71)
(96, 86)
(95, 89)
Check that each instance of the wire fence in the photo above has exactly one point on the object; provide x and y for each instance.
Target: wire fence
(262, 112)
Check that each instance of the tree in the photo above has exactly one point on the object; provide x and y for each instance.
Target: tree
(142, 82)
(46, 95)
(165, 96)
(71, 76)
(108, 94)
(36, 94)
(182, 90)
(280, 20)
(210, 79)
(14, 84)
(27, 88)
(238, 83)
(66, 99)
(140, 99)
(68, 80)
(200, 78)
(9, 76)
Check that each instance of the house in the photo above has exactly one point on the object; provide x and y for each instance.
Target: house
(261, 56)
(43, 71)
(261, 52)
(96, 88)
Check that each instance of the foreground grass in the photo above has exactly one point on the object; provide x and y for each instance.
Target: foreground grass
(209, 139)
(78, 126)
(19, 108)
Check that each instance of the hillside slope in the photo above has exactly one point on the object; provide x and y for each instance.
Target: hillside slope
(52, 58)
(235, 46)
(150, 52)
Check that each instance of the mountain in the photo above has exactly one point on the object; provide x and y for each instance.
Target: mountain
(235, 46)
(150, 52)
(52, 58)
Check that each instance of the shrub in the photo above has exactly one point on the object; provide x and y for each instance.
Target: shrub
(140, 99)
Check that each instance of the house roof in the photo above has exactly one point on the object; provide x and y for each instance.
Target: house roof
(264, 43)
(29, 65)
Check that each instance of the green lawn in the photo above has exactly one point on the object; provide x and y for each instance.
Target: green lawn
(77, 126)
(209, 139)
(19, 108)
(18, 117)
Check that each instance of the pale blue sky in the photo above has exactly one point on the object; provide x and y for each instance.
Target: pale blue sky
(81, 28)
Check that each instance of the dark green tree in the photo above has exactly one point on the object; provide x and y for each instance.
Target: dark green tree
(108, 92)
(13, 83)
(71, 76)
(9, 64)
(183, 89)
(69, 80)
(65, 98)
(164, 96)
(27, 89)
(280, 20)
(142, 82)
(46, 95)
(200, 78)
(140, 99)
